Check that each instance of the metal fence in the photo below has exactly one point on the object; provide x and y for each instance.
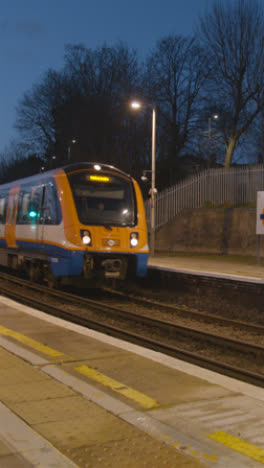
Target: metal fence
(212, 187)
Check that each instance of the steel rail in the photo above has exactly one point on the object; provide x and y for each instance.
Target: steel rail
(215, 365)
(144, 319)
(223, 321)
(186, 311)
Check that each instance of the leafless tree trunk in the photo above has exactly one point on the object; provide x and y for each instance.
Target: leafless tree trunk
(175, 72)
(233, 37)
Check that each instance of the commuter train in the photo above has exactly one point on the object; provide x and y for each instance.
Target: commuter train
(81, 221)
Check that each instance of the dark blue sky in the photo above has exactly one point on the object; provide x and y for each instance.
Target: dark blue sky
(33, 34)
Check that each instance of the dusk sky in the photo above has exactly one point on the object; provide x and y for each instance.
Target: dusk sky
(33, 34)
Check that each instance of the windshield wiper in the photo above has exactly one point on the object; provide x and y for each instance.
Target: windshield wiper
(108, 227)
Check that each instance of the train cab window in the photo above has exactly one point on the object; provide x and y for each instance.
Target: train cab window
(105, 199)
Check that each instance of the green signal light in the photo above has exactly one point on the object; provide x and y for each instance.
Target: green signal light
(33, 214)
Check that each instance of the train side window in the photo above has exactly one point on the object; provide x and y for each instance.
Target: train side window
(29, 205)
(24, 202)
(39, 204)
(3, 198)
(52, 214)
(36, 203)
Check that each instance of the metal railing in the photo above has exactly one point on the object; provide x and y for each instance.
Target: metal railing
(213, 187)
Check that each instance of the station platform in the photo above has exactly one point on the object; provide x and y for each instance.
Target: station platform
(73, 397)
(224, 266)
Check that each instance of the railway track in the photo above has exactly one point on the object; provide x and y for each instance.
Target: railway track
(230, 356)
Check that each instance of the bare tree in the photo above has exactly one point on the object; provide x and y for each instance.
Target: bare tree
(175, 72)
(16, 162)
(36, 112)
(233, 37)
(87, 101)
(110, 71)
(104, 80)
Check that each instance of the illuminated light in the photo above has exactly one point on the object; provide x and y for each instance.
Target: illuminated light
(86, 237)
(135, 105)
(134, 242)
(96, 178)
(86, 240)
(33, 214)
(125, 211)
(97, 167)
(133, 239)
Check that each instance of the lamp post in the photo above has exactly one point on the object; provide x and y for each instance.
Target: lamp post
(215, 117)
(153, 191)
(69, 149)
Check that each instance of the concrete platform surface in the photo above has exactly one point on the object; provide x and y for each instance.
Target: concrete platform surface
(215, 265)
(72, 397)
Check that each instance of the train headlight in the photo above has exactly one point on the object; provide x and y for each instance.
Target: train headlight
(133, 239)
(86, 237)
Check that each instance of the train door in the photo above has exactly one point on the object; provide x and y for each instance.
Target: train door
(11, 216)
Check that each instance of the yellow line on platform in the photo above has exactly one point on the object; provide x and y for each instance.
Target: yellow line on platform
(138, 397)
(239, 445)
(29, 342)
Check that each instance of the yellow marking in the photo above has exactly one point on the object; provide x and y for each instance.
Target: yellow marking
(29, 342)
(194, 452)
(209, 457)
(118, 387)
(239, 445)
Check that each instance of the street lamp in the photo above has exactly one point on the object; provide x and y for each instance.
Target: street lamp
(153, 191)
(69, 149)
(215, 117)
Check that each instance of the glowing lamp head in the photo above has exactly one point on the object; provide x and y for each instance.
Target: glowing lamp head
(135, 105)
(86, 240)
(86, 237)
(133, 239)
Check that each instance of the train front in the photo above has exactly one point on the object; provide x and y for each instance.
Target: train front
(111, 214)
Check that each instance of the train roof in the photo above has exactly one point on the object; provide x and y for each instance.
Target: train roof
(67, 169)
(90, 165)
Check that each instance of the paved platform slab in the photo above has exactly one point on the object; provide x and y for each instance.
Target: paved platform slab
(200, 419)
(229, 266)
(79, 429)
